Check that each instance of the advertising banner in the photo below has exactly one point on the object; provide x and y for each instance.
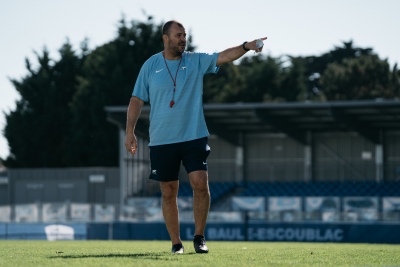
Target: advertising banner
(54, 212)
(281, 232)
(80, 212)
(284, 203)
(248, 203)
(5, 213)
(104, 213)
(26, 213)
(43, 231)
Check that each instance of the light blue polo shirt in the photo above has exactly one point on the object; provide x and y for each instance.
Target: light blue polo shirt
(185, 120)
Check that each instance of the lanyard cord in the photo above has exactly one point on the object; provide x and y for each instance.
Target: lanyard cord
(171, 104)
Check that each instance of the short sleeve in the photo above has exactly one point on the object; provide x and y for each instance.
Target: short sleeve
(141, 89)
(208, 62)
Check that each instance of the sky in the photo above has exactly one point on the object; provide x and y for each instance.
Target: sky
(297, 28)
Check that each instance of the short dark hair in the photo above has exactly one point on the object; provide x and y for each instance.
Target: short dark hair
(167, 26)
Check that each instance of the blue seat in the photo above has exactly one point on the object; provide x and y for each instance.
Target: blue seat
(321, 189)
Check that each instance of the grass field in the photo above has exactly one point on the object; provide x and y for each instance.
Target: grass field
(157, 253)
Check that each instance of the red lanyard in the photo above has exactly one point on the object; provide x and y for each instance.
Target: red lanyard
(171, 104)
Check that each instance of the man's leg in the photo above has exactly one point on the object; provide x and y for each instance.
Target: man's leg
(169, 191)
(201, 199)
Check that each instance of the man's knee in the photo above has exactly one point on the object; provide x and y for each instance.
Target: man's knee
(169, 190)
(200, 186)
(199, 182)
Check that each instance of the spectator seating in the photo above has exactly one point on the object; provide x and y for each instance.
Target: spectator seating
(321, 189)
(217, 189)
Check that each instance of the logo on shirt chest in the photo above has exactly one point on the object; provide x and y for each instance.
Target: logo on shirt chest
(158, 71)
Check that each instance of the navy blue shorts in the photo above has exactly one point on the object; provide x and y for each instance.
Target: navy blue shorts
(166, 159)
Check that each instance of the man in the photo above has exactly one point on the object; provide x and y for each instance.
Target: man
(172, 81)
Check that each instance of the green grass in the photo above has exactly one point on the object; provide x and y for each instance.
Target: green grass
(157, 253)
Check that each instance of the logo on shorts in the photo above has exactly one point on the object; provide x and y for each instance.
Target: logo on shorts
(154, 172)
(204, 163)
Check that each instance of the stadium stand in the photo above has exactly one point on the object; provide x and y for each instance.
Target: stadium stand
(218, 190)
(321, 189)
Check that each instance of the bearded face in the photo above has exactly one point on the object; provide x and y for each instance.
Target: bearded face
(175, 41)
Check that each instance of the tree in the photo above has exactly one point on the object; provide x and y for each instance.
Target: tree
(109, 75)
(294, 81)
(36, 129)
(315, 66)
(262, 79)
(225, 87)
(366, 77)
(60, 120)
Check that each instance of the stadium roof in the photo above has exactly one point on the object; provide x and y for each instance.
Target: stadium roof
(229, 121)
